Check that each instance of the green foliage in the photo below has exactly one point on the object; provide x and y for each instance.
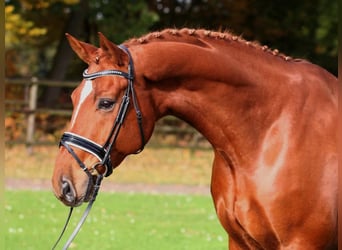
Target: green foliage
(33, 220)
(121, 19)
(327, 28)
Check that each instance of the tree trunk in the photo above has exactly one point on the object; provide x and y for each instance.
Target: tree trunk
(64, 54)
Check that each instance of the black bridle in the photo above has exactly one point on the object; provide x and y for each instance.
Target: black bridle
(102, 153)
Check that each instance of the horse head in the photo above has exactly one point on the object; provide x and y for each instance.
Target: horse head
(107, 123)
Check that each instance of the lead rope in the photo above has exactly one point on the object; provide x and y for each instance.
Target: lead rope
(82, 220)
(64, 228)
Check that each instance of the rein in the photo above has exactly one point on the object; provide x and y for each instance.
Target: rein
(102, 153)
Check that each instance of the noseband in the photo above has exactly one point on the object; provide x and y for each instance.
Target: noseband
(102, 153)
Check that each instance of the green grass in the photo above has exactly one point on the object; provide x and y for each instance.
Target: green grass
(33, 220)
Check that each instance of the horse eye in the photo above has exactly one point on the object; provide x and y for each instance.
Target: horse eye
(106, 104)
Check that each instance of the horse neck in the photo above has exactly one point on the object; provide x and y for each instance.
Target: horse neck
(216, 89)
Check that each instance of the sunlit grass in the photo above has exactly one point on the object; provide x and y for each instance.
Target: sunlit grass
(33, 220)
(152, 166)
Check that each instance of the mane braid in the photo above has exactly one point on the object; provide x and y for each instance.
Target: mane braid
(176, 34)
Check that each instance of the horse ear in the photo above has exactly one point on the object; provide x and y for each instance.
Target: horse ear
(114, 51)
(85, 51)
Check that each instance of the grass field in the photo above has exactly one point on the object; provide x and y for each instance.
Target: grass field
(33, 220)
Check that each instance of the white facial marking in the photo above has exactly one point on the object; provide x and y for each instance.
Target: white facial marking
(87, 89)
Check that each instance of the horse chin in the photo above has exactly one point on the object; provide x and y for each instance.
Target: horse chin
(79, 201)
(72, 203)
(89, 193)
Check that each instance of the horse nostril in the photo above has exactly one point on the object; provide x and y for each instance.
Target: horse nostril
(68, 191)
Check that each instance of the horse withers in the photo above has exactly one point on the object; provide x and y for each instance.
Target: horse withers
(271, 121)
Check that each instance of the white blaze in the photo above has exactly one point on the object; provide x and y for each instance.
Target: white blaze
(87, 89)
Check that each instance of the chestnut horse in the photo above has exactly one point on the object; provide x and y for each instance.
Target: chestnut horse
(271, 120)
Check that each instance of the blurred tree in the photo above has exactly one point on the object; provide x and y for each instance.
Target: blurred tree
(63, 56)
(19, 29)
(31, 28)
(119, 20)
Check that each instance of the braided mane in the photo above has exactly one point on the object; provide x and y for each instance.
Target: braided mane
(197, 34)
